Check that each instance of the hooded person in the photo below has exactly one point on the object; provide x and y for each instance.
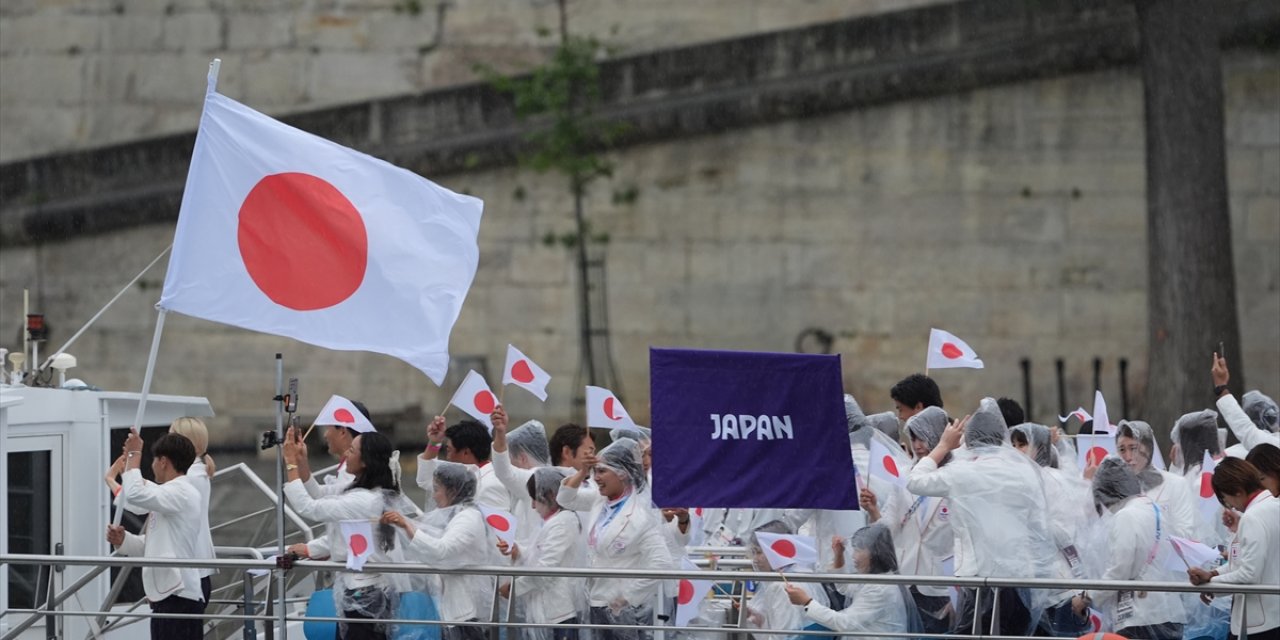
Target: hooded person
(453, 536)
(623, 532)
(920, 525)
(999, 516)
(1071, 515)
(357, 594)
(770, 607)
(560, 542)
(1136, 445)
(873, 607)
(1135, 548)
(515, 456)
(1197, 434)
(886, 422)
(1254, 420)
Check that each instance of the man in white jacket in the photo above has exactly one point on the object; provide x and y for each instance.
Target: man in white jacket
(1248, 431)
(468, 443)
(171, 531)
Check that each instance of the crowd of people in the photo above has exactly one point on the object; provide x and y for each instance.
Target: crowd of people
(987, 495)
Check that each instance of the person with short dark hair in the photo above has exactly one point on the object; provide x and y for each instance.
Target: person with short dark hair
(1012, 411)
(468, 443)
(1266, 457)
(913, 393)
(570, 445)
(172, 530)
(1252, 558)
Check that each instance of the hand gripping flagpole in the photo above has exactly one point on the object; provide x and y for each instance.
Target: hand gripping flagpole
(142, 401)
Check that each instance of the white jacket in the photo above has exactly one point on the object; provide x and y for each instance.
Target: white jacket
(632, 539)
(464, 543)
(171, 531)
(1246, 431)
(333, 485)
(198, 476)
(489, 489)
(561, 542)
(922, 535)
(872, 608)
(356, 504)
(1176, 506)
(1254, 559)
(1132, 555)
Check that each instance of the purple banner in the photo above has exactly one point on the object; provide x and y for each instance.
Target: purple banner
(749, 430)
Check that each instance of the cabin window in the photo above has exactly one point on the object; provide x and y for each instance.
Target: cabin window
(29, 522)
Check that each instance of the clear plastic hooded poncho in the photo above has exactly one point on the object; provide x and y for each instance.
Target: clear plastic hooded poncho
(1261, 410)
(1113, 483)
(927, 427)
(635, 432)
(373, 595)
(875, 608)
(886, 423)
(624, 457)
(854, 417)
(986, 427)
(1149, 476)
(1039, 442)
(769, 607)
(561, 542)
(527, 445)
(1196, 433)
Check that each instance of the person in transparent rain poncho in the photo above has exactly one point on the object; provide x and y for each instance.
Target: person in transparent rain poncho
(515, 457)
(1136, 445)
(1196, 434)
(999, 515)
(453, 536)
(885, 608)
(1071, 517)
(770, 607)
(623, 532)
(560, 543)
(920, 525)
(1135, 547)
(1254, 420)
(357, 594)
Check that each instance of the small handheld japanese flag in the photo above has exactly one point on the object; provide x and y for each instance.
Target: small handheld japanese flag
(522, 372)
(500, 522)
(690, 594)
(474, 397)
(1209, 505)
(1091, 449)
(1079, 414)
(784, 550)
(1101, 422)
(949, 352)
(358, 535)
(341, 412)
(886, 466)
(605, 410)
(1194, 554)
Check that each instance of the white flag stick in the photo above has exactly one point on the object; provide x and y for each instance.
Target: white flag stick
(142, 400)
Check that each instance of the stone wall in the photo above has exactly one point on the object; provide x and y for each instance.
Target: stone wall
(84, 73)
(1013, 216)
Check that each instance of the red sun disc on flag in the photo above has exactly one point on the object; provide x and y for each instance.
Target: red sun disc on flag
(1095, 455)
(520, 372)
(359, 544)
(784, 548)
(950, 351)
(303, 243)
(484, 402)
(686, 592)
(608, 408)
(498, 522)
(891, 466)
(342, 415)
(1206, 485)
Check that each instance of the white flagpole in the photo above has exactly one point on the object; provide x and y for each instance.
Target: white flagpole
(142, 399)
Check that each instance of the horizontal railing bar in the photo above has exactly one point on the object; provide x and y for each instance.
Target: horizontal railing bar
(728, 576)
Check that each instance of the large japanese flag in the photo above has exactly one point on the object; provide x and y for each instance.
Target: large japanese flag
(949, 352)
(474, 397)
(605, 409)
(524, 373)
(284, 232)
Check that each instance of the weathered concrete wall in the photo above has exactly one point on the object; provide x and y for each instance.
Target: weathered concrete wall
(1013, 216)
(83, 73)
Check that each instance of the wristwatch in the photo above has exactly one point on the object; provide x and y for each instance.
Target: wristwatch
(1219, 390)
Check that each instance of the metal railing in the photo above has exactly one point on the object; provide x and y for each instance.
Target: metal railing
(53, 606)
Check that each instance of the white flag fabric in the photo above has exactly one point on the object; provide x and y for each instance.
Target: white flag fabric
(1092, 448)
(949, 352)
(1079, 414)
(341, 412)
(358, 535)
(886, 466)
(1189, 553)
(1101, 421)
(500, 522)
(784, 550)
(1157, 458)
(605, 410)
(524, 373)
(284, 232)
(689, 594)
(1210, 508)
(474, 397)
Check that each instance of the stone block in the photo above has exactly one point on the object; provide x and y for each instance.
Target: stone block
(131, 33)
(274, 79)
(258, 31)
(539, 265)
(337, 77)
(195, 31)
(46, 129)
(172, 79)
(49, 32)
(1262, 215)
(751, 263)
(331, 31)
(43, 80)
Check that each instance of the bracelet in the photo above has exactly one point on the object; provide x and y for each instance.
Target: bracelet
(130, 454)
(1219, 390)
(433, 446)
(291, 467)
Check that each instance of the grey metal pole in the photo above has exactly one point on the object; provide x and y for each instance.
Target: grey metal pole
(281, 577)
